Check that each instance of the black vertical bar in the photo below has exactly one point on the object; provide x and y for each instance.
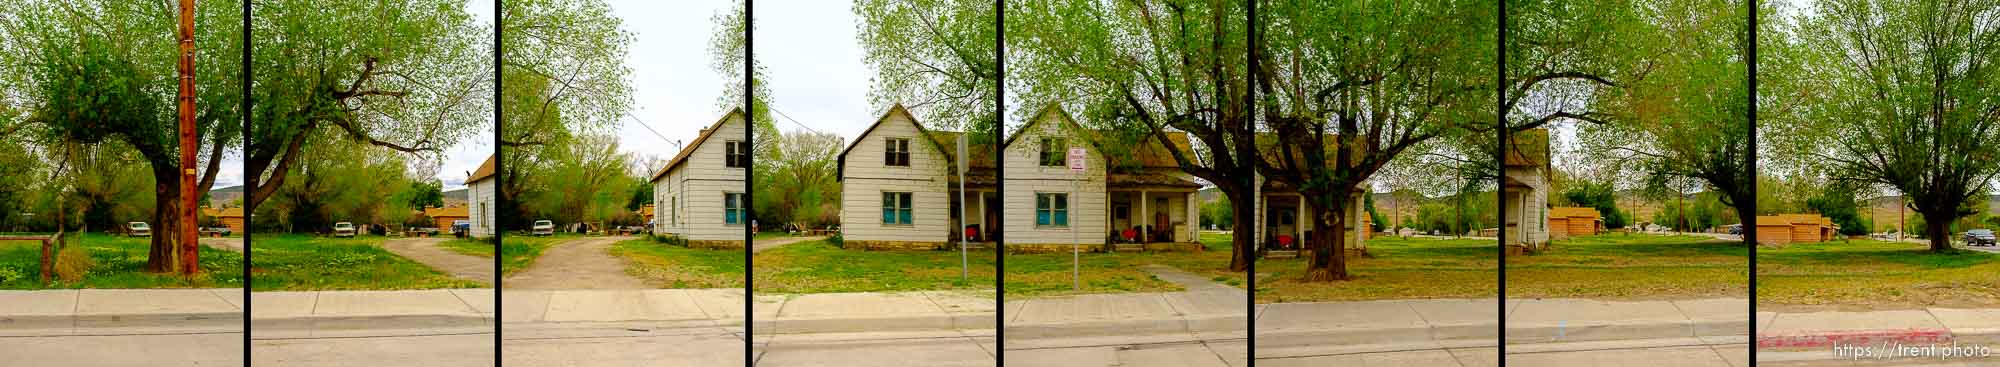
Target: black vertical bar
(999, 181)
(749, 180)
(499, 165)
(249, 184)
(1500, 118)
(1750, 229)
(1249, 117)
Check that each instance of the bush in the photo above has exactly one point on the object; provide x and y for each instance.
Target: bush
(9, 274)
(835, 240)
(73, 263)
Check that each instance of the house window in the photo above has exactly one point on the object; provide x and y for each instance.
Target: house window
(732, 209)
(896, 208)
(737, 156)
(674, 212)
(1052, 209)
(897, 153)
(1052, 153)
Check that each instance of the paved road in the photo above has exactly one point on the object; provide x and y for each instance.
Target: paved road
(877, 349)
(584, 263)
(766, 244)
(426, 251)
(425, 350)
(1227, 353)
(699, 347)
(201, 349)
(226, 243)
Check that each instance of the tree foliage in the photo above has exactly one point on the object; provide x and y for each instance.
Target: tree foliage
(1902, 95)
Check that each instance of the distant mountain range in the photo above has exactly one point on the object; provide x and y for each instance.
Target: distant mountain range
(454, 198)
(219, 197)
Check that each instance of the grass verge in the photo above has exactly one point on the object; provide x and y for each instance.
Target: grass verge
(670, 266)
(1632, 266)
(820, 267)
(1043, 275)
(118, 262)
(293, 262)
(1397, 268)
(1870, 274)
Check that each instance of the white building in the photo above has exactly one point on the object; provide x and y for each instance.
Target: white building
(482, 191)
(899, 187)
(699, 195)
(1525, 182)
(1138, 198)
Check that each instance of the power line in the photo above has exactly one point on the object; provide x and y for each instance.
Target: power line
(774, 108)
(642, 123)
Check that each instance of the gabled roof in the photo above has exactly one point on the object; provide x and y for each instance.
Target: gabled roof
(689, 151)
(945, 142)
(485, 171)
(1148, 154)
(1573, 212)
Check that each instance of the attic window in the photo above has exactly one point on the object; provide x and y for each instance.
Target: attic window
(1052, 154)
(897, 153)
(737, 155)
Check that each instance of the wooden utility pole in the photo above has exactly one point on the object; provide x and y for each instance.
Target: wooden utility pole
(188, 222)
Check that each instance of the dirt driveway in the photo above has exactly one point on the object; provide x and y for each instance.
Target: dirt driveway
(584, 263)
(427, 251)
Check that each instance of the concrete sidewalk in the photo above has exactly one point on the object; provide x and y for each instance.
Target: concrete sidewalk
(121, 311)
(316, 314)
(1292, 330)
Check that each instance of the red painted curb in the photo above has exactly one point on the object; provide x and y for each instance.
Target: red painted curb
(1855, 337)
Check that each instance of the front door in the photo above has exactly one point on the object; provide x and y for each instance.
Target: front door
(992, 217)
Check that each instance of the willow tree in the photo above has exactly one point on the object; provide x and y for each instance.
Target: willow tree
(1144, 68)
(1348, 87)
(410, 76)
(97, 72)
(1904, 97)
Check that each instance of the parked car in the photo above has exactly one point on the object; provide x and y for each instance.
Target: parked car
(1979, 237)
(220, 231)
(138, 229)
(544, 228)
(1736, 229)
(461, 228)
(343, 229)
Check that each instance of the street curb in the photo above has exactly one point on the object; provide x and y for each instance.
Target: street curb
(1071, 329)
(378, 325)
(1476, 332)
(933, 322)
(1827, 339)
(38, 325)
(1618, 330)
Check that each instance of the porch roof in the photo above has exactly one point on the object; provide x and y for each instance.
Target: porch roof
(1149, 177)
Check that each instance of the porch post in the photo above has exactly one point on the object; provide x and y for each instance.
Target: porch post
(1299, 223)
(1147, 216)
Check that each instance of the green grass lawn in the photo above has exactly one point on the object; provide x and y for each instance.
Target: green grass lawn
(1397, 268)
(1042, 275)
(119, 262)
(1869, 274)
(820, 267)
(770, 235)
(301, 262)
(521, 250)
(679, 267)
(1632, 266)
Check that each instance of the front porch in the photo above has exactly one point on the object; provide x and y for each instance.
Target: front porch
(1284, 226)
(1151, 210)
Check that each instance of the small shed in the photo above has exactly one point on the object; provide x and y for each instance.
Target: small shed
(646, 213)
(1773, 230)
(442, 218)
(1575, 221)
(230, 217)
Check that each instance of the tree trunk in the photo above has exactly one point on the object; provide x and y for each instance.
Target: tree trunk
(164, 256)
(1329, 259)
(1242, 237)
(1937, 229)
(1745, 216)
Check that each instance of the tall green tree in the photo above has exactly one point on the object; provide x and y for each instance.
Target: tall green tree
(936, 58)
(1141, 69)
(1348, 87)
(1903, 97)
(91, 72)
(409, 76)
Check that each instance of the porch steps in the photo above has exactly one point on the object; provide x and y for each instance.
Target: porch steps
(1128, 247)
(1281, 254)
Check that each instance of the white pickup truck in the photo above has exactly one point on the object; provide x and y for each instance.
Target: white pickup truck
(343, 229)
